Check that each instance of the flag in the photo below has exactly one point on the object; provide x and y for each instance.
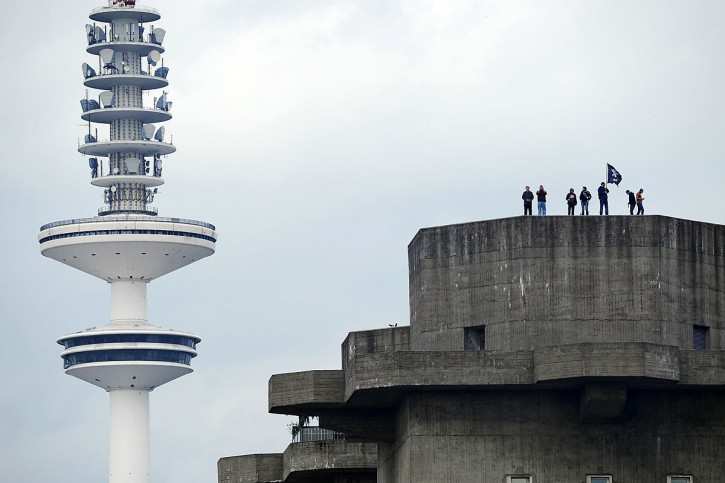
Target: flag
(613, 175)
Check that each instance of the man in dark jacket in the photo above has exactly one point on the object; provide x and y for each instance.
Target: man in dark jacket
(528, 197)
(603, 199)
(571, 201)
(585, 196)
(632, 202)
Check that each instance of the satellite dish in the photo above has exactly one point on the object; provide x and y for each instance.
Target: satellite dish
(160, 134)
(87, 71)
(90, 34)
(113, 188)
(147, 131)
(106, 98)
(161, 72)
(154, 57)
(157, 36)
(107, 57)
(126, 68)
(116, 171)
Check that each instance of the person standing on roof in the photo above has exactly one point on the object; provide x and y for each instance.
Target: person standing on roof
(571, 201)
(640, 199)
(541, 198)
(585, 196)
(603, 199)
(528, 197)
(632, 202)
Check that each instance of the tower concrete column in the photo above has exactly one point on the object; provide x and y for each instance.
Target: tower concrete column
(128, 302)
(130, 456)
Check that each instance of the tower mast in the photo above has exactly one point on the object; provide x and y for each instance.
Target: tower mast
(127, 244)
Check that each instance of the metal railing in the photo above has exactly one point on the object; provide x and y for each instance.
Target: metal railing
(127, 217)
(315, 433)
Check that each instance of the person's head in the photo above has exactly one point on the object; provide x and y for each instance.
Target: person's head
(584, 188)
(571, 190)
(627, 191)
(527, 188)
(641, 190)
(602, 183)
(541, 186)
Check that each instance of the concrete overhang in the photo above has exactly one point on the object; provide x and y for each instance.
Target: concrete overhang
(379, 379)
(303, 462)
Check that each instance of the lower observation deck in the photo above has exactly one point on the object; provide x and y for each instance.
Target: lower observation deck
(139, 247)
(140, 356)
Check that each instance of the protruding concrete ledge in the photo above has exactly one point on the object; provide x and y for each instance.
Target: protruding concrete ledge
(607, 360)
(251, 468)
(411, 369)
(310, 461)
(289, 393)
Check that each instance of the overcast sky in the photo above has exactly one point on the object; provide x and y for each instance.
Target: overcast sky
(319, 136)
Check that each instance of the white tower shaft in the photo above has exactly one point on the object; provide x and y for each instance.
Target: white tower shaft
(128, 302)
(130, 457)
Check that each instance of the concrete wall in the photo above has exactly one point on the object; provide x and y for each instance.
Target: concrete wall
(483, 436)
(253, 468)
(537, 281)
(330, 461)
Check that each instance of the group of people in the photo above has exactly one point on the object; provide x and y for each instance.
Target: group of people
(571, 200)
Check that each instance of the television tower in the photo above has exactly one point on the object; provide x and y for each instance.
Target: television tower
(127, 245)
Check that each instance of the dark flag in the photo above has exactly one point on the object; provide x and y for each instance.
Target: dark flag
(613, 175)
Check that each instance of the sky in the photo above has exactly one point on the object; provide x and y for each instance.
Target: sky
(319, 137)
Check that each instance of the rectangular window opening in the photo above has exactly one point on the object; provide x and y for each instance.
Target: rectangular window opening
(599, 479)
(474, 338)
(699, 337)
(519, 479)
(679, 479)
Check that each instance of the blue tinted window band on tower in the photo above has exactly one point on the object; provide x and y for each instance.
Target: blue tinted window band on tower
(120, 338)
(121, 355)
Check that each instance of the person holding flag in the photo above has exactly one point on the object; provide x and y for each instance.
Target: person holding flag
(603, 199)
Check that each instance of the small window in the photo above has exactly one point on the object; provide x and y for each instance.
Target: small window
(599, 479)
(699, 337)
(679, 479)
(474, 338)
(519, 479)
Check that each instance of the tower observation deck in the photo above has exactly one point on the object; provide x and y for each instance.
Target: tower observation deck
(127, 244)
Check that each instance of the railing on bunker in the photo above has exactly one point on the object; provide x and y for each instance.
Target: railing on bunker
(315, 433)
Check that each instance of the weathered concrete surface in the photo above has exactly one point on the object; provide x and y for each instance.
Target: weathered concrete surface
(482, 436)
(253, 468)
(587, 364)
(334, 461)
(317, 388)
(621, 360)
(537, 281)
(602, 402)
